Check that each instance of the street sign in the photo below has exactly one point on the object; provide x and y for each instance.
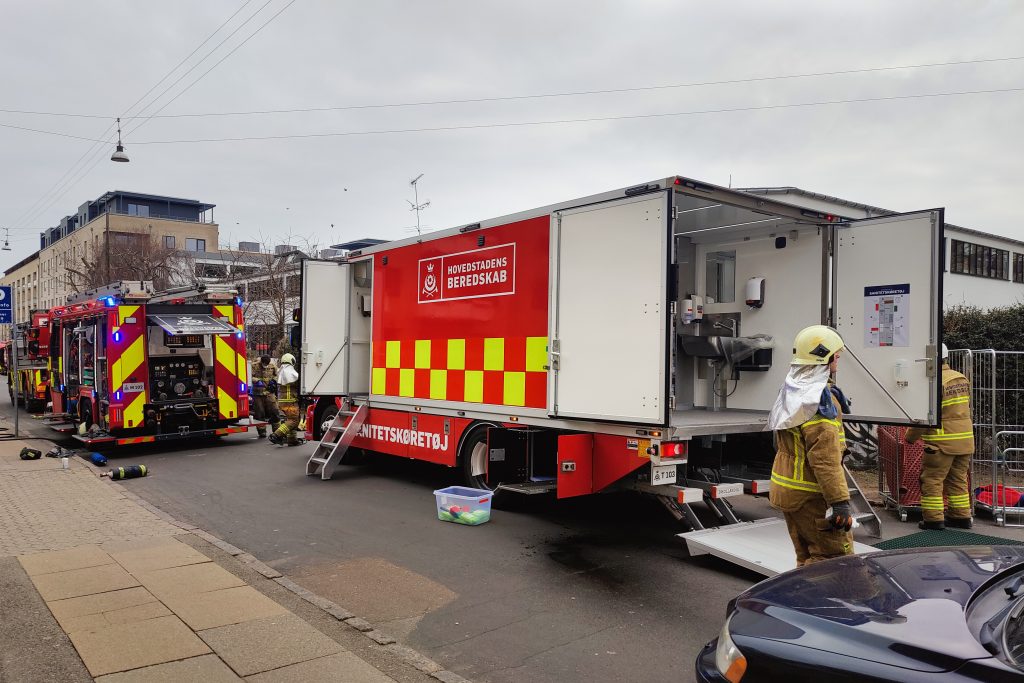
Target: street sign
(6, 308)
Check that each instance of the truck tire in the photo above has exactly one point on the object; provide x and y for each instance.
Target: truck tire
(322, 418)
(473, 456)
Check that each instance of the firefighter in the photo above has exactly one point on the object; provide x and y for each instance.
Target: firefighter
(807, 476)
(288, 399)
(264, 401)
(947, 455)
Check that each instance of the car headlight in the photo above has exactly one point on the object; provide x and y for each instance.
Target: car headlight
(728, 659)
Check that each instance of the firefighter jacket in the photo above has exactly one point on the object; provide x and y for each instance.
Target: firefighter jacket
(287, 385)
(809, 458)
(262, 376)
(956, 435)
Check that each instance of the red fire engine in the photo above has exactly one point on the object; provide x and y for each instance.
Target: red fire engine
(31, 383)
(618, 339)
(131, 366)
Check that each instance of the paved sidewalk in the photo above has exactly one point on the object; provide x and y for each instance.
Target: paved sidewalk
(142, 599)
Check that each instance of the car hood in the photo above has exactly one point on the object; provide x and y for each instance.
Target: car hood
(904, 608)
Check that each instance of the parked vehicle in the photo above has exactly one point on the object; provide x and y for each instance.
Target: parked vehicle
(130, 365)
(617, 340)
(928, 614)
(29, 387)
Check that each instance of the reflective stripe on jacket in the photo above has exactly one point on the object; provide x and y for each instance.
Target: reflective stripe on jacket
(809, 463)
(288, 393)
(956, 435)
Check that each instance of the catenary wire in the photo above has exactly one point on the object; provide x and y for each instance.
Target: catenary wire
(216, 64)
(595, 119)
(72, 181)
(504, 98)
(196, 65)
(61, 187)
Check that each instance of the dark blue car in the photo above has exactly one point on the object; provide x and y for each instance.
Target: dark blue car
(929, 614)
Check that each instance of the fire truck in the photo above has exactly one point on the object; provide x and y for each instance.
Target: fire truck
(635, 338)
(130, 365)
(30, 387)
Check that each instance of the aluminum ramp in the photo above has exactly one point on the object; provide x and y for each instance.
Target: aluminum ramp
(762, 546)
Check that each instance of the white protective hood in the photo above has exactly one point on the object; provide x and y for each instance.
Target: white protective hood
(286, 375)
(799, 397)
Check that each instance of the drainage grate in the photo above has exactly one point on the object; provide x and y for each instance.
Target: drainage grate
(940, 539)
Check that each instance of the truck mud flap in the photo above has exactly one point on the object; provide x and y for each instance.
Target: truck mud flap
(762, 546)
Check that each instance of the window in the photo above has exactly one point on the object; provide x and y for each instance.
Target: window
(982, 261)
(138, 210)
(720, 271)
(1018, 268)
(193, 244)
(169, 241)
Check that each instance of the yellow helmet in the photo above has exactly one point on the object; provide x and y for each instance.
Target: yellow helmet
(287, 359)
(815, 345)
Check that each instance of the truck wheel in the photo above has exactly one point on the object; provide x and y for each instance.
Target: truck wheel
(473, 456)
(323, 421)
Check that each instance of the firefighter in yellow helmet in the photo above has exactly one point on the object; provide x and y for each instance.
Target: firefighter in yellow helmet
(807, 475)
(288, 401)
(947, 455)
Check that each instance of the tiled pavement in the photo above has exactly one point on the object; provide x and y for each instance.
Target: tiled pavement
(140, 604)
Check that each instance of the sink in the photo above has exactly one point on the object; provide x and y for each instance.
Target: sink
(702, 347)
(729, 349)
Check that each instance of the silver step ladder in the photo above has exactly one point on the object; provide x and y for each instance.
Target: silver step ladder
(336, 440)
(861, 508)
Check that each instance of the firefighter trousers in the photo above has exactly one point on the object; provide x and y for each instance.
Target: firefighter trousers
(290, 422)
(264, 407)
(813, 537)
(945, 477)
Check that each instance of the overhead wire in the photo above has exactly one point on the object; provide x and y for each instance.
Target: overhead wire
(593, 119)
(62, 189)
(74, 175)
(528, 96)
(196, 65)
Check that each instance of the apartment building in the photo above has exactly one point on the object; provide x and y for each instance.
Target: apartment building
(23, 279)
(117, 221)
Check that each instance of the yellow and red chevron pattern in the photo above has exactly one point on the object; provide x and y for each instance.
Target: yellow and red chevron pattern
(231, 372)
(509, 371)
(126, 355)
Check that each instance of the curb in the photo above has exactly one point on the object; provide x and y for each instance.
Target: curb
(404, 653)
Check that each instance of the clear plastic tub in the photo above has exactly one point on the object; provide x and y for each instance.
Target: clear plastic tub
(463, 505)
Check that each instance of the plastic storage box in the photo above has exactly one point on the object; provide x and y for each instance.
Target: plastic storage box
(463, 505)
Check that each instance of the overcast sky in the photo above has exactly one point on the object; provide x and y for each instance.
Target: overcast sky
(98, 57)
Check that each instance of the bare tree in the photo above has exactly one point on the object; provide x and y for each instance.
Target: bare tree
(269, 284)
(125, 256)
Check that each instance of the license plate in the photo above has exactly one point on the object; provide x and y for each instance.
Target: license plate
(663, 474)
(133, 386)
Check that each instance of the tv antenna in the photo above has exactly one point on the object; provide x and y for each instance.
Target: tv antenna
(7, 240)
(416, 206)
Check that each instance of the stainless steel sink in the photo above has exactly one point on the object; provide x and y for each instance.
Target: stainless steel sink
(729, 349)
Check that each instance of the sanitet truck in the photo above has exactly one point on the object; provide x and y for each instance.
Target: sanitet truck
(635, 338)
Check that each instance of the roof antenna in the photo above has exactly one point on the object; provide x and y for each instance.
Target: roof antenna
(417, 207)
(730, 181)
(7, 240)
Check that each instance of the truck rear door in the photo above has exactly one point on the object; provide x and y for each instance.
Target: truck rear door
(324, 321)
(608, 310)
(886, 299)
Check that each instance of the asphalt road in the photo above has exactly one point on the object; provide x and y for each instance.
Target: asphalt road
(592, 589)
(589, 589)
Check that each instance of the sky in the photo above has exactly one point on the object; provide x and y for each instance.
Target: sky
(99, 57)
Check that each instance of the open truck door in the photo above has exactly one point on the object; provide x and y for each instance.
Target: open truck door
(886, 299)
(608, 311)
(324, 324)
